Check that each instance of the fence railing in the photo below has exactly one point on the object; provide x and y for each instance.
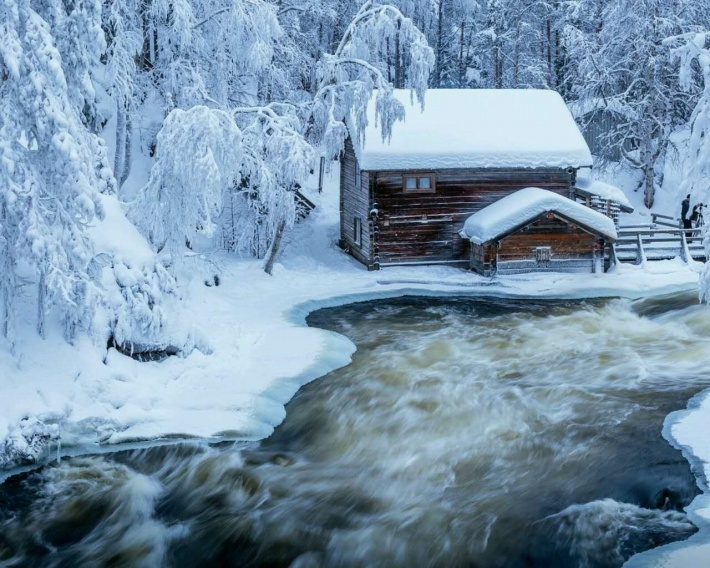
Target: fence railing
(639, 243)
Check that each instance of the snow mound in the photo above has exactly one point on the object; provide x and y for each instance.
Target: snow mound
(478, 128)
(117, 236)
(526, 205)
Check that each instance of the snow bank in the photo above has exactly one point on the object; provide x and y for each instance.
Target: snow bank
(478, 128)
(117, 236)
(526, 205)
(603, 190)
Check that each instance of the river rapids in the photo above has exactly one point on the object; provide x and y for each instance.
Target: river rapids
(466, 432)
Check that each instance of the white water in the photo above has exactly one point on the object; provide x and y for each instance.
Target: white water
(464, 433)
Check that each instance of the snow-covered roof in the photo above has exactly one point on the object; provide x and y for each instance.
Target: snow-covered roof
(604, 190)
(477, 128)
(522, 207)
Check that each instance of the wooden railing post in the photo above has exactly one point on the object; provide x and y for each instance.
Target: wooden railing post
(684, 252)
(613, 261)
(640, 253)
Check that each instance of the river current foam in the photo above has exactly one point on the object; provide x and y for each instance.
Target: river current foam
(471, 433)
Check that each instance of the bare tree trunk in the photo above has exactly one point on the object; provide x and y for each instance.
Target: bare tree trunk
(276, 245)
(41, 306)
(120, 157)
(128, 150)
(550, 75)
(462, 65)
(648, 160)
(439, 45)
(389, 60)
(498, 66)
(5, 313)
(516, 64)
(398, 71)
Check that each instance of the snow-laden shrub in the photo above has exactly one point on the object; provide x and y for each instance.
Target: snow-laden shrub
(198, 155)
(134, 300)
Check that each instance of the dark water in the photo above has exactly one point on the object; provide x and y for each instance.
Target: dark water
(464, 433)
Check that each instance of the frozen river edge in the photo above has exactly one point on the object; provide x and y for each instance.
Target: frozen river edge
(686, 430)
(304, 354)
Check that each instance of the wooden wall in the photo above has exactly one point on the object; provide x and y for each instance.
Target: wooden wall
(571, 247)
(424, 227)
(355, 202)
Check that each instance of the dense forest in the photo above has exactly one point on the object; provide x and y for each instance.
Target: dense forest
(235, 101)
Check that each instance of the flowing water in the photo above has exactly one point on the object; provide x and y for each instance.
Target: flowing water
(464, 433)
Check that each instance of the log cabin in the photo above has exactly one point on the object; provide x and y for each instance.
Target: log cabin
(405, 200)
(535, 230)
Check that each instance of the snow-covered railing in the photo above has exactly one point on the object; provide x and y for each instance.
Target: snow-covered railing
(638, 244)
(608, 207)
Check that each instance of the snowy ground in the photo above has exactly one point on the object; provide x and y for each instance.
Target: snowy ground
(256, 350)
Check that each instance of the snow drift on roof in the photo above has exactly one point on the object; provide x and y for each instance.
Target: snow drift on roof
(603, 190)
(478, 128)
(517, 209)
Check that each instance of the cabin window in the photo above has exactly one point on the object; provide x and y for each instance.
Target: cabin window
(357, 231)
(419, 183)
(358, 178)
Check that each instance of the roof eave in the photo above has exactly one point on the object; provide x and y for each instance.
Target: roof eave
(535, 218)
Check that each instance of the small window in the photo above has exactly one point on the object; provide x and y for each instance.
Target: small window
(357, 231)
(358, 178)
(543, 255)
(424, 183)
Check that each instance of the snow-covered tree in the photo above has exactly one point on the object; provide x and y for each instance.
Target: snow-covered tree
(694, 55)
(198, 157)
(250, 159)
(51, 166)
(123, 23)
(693, 50)
(622, 60)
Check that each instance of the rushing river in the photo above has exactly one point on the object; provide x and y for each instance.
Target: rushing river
(464, 433)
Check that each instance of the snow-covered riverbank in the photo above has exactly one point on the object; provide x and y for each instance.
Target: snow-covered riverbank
(687, 431)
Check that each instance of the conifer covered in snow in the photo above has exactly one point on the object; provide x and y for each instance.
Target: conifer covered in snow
(51, 167)
(618, 52)
(692, 49)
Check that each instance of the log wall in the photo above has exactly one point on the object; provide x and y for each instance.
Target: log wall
(424, 227)
(572, 249)
(355, 203)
